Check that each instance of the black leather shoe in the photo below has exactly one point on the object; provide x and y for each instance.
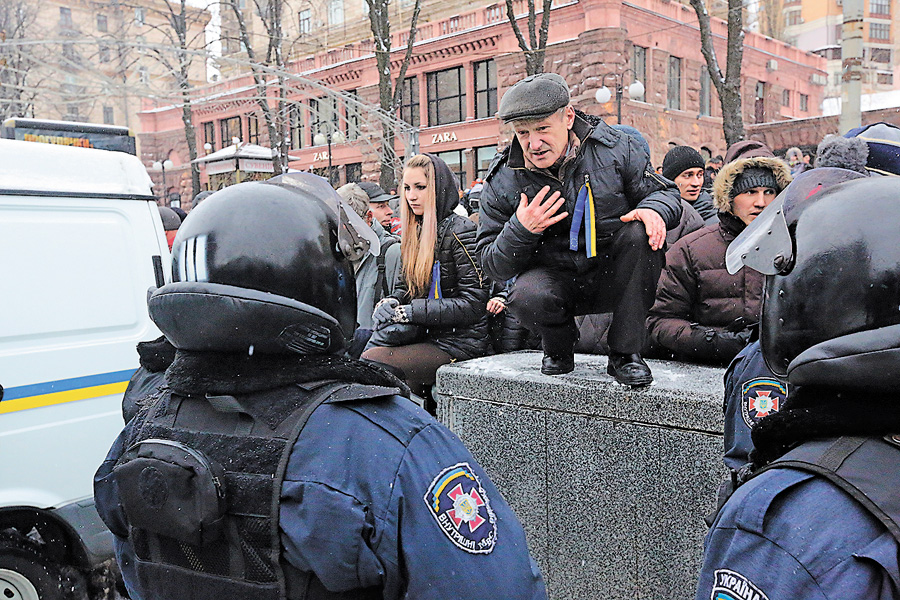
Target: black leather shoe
(629, 369)
(558, 365)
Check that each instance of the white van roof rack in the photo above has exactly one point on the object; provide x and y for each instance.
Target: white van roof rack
(48, 168)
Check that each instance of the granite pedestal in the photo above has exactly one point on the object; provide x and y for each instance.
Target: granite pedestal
(611, 483)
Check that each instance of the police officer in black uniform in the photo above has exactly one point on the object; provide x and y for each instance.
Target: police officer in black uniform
(271, 466)
(819, 516)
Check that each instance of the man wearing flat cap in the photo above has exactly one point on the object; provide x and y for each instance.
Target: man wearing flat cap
(574, 213)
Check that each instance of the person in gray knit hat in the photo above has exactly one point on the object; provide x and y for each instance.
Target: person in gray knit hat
(686, 168)
(702, 313)
(573, 211)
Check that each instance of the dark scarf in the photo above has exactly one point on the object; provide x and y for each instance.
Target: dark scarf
(193, 373)
(812, 412)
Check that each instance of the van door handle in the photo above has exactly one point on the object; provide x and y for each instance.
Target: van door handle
(158, 270)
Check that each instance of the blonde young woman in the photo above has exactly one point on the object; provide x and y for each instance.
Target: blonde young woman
(441, 288)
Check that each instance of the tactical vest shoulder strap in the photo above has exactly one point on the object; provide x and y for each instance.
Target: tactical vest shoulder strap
(864, 467)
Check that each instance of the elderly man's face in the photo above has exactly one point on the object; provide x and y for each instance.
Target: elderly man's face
(382, 213)
(545, 140)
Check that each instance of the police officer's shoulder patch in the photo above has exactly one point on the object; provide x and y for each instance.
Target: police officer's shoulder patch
(462, 510)
(761, 397)
(731, 585)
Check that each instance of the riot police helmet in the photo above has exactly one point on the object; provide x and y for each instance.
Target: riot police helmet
(264, 267)
(831, 308)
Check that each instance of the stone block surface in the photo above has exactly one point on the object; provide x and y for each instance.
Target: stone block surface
(611, 484)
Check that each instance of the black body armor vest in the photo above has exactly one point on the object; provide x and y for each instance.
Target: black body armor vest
(201, 483)
(864, 467)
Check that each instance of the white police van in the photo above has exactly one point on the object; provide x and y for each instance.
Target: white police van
(81, 241)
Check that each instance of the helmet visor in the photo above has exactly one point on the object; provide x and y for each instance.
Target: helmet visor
(766, 245)
(355, 236)
(762, 242)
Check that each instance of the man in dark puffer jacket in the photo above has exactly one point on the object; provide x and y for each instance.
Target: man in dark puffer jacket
(573, 209)
(702, 313)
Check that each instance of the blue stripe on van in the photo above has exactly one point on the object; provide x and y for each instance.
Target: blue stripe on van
(64, 385)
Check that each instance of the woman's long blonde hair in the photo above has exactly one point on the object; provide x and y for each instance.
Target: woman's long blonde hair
(418, 234)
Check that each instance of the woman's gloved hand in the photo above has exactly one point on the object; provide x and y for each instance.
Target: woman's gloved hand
(384, 311)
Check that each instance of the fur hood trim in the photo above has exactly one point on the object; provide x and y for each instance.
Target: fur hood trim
(729, 173)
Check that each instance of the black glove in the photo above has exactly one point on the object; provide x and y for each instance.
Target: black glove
(384, 311)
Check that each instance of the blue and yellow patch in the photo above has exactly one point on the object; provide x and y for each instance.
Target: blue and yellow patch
(761, 397)
(731, 585)
(49, 393)
(462, 509)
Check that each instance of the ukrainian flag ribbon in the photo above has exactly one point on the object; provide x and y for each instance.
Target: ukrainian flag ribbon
(435, 291)
(585, 213)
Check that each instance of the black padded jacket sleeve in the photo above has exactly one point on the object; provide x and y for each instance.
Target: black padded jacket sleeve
(647, 189)
(504, 245)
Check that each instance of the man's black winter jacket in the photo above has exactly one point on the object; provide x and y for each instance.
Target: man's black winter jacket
(621, 180)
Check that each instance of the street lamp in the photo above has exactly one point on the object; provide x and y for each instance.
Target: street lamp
(635, 90)
(162, 166)
(338, 137)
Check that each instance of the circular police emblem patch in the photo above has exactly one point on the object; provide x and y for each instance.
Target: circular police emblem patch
(731, 585)
(761, 397)
(462, 509)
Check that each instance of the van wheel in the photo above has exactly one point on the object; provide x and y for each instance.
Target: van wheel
(25, 575)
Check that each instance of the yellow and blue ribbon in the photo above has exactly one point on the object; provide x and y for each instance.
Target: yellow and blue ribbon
(434, 292)
(49, 393)
(584, 213)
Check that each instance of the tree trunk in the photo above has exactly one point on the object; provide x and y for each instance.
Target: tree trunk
(729, 86)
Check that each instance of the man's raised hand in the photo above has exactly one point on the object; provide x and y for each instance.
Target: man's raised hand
(540, 213)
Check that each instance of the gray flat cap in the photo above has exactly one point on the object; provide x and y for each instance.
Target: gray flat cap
(535, 97)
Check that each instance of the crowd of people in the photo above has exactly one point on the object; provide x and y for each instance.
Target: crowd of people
(571, 242)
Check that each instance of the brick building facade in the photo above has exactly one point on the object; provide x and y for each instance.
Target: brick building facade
(462, 65)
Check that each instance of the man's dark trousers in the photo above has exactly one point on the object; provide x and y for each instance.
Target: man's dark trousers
(621, 280)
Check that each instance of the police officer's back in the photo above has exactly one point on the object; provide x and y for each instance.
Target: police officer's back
(819, 518)
(274, 467)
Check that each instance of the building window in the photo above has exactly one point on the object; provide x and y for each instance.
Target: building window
(804, 103)
(296, 134)
(639, 63)
(71, 112)
(353, 171)
(143, 76)
(336, 12)
(253, 129)
(446, 96)
(104, 53)
(885, 79)
(101, 23)
(68, 52)
(230, 128)
(304, 18)
(705, 84)
(65, 17)
(353, 116)
(409, 101)
(793, 17)
(786, 98)
(880, 31)
(880, 7)
(673, 93)
(109, 117)
(209, 135)
(881, 55)
(321, 112)
(456, 162)
(483, 158)
(485, 89)
(139, 16)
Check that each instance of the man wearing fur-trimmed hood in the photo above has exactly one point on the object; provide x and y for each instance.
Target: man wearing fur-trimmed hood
(702, 313)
